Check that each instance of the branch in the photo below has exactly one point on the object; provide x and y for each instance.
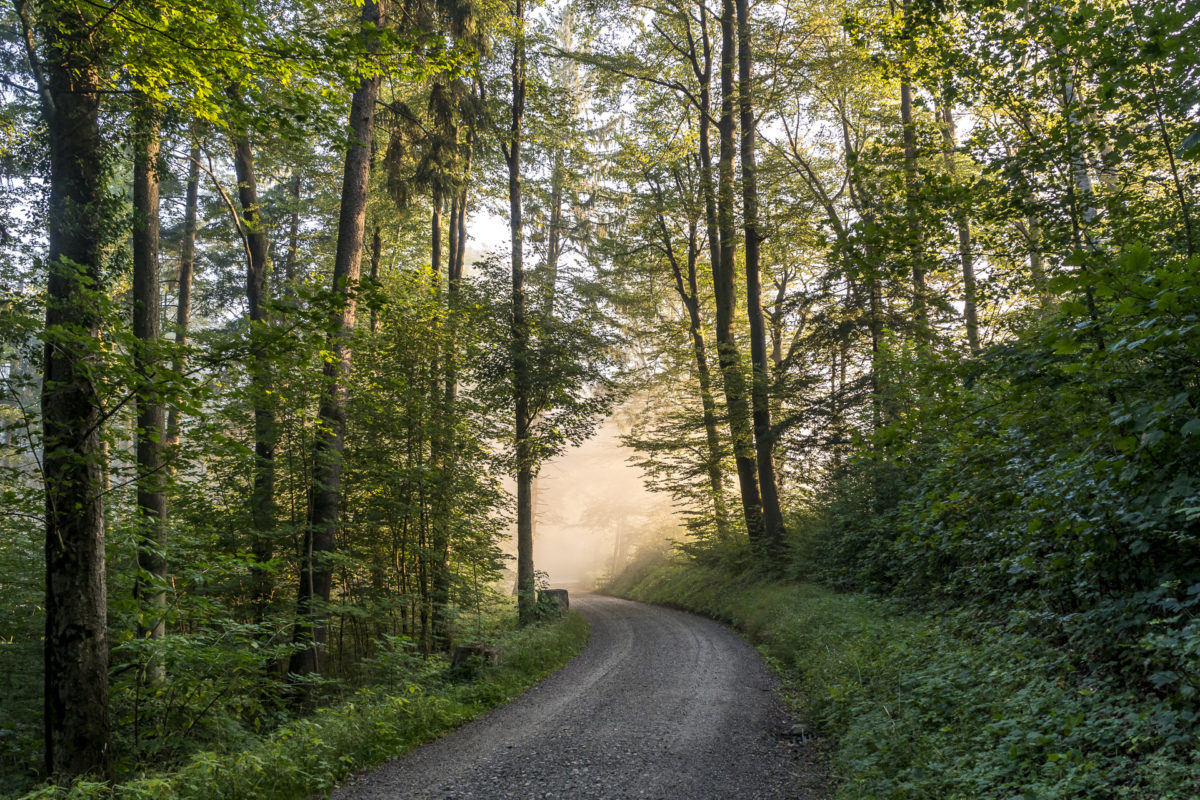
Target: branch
(237, 220)
(35, 65)
(671, 42)
(609, 63)
(26, 416)
(19, 87)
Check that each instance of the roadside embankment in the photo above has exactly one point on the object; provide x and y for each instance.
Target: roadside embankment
(309, 756)
(917, 707)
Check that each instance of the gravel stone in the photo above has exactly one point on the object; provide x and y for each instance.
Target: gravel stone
(660, 705)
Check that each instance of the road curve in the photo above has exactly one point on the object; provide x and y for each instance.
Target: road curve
(659, 704)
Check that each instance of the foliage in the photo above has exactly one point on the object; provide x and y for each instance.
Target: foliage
(1053, 494)
(570, 361)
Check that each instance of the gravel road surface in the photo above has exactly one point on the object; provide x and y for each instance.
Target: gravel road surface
(659, 704)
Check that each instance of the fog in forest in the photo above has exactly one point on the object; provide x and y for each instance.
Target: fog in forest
(592, 511)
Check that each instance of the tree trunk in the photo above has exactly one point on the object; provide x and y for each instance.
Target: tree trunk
(376, 252)
(716, 479)
(439, 551)
(316, 573)
(76, 643)
(445, 511)
(293, 246)
(702, 69)
(449, 415)
(554, 238)
(262, 496)
(183, 302)
(461, 223)
(916, 244)
(147, 326)
(875, 326)
(723, 287)
(689, 294)
(458, 222)
(526, 596)
(764, 437)
(964, 233)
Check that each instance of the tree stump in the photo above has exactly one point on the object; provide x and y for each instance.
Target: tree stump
(552, 603)
(468, 659)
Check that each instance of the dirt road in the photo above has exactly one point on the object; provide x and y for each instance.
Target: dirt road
(660, 704)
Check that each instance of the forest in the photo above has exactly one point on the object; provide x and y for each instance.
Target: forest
(898, 302)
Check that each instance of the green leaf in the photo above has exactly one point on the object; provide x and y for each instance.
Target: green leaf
(1077, 259)
(1190, 147)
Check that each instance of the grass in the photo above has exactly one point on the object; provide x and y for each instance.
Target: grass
(311, 755)
(916, 707)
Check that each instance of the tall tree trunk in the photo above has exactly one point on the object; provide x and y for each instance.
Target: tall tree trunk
(461, 224)
(147, 326)
(869, 271)
(458, 222)
(435, 245)
(444, 513)
(875, 326)
(964, 232)
(76, 642)
(293, 241)
(316, 573)
(439, 456)
(702, 63)
(689, 293)
(1037, 270)
(916, 243)
(376, 252)
(554, 237)
(549, 269)
(183, 302)
(452, 236)
(764, 437)
(262, 496)
(449, 414)
(526, 590)
(724, 290)
(716, 477)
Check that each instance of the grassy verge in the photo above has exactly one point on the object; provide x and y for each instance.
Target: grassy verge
(923, 708)
(309, 756)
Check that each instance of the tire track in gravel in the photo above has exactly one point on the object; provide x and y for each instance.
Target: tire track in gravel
(659, 704)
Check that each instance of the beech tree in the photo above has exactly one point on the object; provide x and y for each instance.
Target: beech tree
(68, 76)
(316, 574)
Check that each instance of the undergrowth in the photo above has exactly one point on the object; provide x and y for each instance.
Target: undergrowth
(944, 709)
(309, 756)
